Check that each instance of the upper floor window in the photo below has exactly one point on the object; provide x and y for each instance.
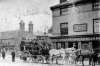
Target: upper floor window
(96, 25)
(56, 12)
(61, 1)
(63, 11)
(96, 6)
(64, 28)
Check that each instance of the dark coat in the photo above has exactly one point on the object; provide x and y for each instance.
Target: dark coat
(95, 57)
(13, 54)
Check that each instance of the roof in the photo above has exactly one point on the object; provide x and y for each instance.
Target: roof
(9, 34)
(16, 33)
(68, 3)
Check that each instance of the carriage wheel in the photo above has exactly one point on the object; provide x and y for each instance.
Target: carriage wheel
(28, 59)
(47, 59)
(40, 59)
(34, 59)
(27, 55)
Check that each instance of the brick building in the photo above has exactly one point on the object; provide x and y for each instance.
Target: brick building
(76, 21)
(11, 39)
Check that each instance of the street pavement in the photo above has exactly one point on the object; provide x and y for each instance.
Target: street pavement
(8, 62)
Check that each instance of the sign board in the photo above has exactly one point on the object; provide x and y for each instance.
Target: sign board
(80, 27)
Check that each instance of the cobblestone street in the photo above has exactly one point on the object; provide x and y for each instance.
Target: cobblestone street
(8, 62)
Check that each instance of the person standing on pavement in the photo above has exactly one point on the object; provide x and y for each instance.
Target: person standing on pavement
(3, 53)
(13, 56)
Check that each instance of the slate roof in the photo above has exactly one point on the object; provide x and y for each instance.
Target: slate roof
(15, 34)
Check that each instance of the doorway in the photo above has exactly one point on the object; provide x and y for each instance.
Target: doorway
(60, 45)
(70, 44)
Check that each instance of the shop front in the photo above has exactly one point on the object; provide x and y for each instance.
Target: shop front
(8, 47)
(81, 41)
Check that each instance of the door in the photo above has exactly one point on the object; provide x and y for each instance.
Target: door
(63, 45)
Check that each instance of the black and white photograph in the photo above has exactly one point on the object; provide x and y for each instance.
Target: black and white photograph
(49, 32)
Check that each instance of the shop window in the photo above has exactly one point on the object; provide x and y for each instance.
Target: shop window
(62, 45)
(64, 28)
(96, 6)
(58, 45)
(96, 26)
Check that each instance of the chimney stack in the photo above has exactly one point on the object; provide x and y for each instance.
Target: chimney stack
(30, 27)
(22, 25)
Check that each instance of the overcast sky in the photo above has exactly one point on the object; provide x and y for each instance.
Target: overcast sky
(37, 11)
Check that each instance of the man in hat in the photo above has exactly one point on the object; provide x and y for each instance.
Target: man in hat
(3, 53)
(13, 56)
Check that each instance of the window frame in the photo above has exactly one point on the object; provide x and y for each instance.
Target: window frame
(94, 25)
(66, 28)
(95, 5)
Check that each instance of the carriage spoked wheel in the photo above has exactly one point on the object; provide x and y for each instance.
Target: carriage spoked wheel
(40, 59)
(27, 55)
(35, 59)
(47, 59)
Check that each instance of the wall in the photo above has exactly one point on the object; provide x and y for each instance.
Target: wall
(76, 15)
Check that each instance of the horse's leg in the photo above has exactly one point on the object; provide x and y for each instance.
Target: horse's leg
(76, 59)
(56, 60)
(83, 61)
(93, 63)
(90, 59)
(52, 58)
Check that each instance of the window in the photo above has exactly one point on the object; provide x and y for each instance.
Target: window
(64, 28)
(96, 25)
(96, 6)
(61, 1)
(63, 11)
(56, 12)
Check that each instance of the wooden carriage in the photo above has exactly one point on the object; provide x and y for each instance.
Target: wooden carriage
(33, 51)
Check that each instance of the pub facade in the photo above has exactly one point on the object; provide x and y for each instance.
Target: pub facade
(78, 22)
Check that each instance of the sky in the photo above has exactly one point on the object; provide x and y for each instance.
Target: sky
(37, 11)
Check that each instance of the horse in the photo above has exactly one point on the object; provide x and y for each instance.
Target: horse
(83, 54)
(95, 57)
(56, 53)
(70, 55)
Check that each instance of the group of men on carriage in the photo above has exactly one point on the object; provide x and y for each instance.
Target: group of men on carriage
(37, 47)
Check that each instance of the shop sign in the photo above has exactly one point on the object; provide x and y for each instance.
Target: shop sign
(80, 27)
